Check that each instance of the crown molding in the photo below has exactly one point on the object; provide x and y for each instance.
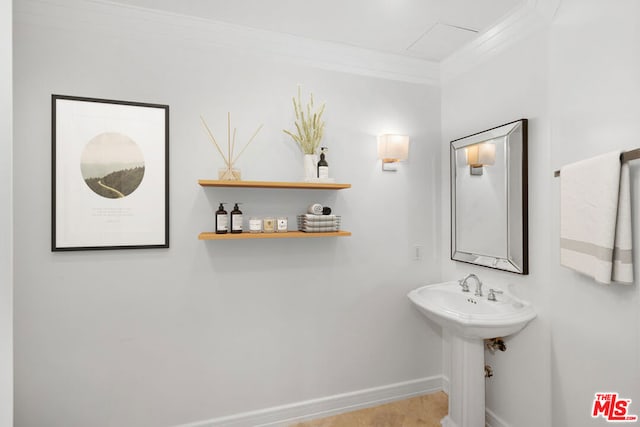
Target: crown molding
(118, 20)
(527, 18)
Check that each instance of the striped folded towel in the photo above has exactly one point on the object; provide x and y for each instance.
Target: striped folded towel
(318, 223)
(319, 229)
(319, 218)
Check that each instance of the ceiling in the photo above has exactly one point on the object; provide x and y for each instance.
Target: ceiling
(426, 29)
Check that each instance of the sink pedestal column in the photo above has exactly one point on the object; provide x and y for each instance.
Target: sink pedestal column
(466, 383)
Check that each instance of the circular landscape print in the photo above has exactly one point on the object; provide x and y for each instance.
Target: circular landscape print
(112, 165)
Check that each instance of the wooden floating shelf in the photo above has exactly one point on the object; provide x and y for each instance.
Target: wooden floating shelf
(274, 184)
(287, 235)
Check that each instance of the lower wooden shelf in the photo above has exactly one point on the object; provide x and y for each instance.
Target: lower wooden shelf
(287, 235)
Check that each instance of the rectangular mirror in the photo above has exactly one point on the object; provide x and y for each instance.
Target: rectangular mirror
(489, 198)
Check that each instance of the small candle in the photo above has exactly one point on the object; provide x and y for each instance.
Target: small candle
(282, 224)
(255, 225)
(268, 225)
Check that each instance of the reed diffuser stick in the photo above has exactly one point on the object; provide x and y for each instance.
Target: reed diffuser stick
(233, 144)
(229, 137)
(247, 144)
(215, 143)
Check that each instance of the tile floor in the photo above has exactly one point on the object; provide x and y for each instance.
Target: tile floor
(421, 411)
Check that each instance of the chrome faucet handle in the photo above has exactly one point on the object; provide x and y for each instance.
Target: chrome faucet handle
(492, 294)
(464, 284)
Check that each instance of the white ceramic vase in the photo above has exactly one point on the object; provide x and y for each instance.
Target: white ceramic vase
(310, 167)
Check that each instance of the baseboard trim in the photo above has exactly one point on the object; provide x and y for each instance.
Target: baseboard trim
(445, 384)
(492, 420)
(326, 406)
(448, 422)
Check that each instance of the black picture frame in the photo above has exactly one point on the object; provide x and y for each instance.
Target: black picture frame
(109, 174)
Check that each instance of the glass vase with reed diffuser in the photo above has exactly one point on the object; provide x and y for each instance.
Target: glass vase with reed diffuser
(229, 172)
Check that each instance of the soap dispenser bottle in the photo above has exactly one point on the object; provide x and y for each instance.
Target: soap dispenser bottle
(222, 220)
(323, 166)
(236, 219)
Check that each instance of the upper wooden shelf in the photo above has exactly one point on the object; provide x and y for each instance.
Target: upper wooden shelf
(273, 184)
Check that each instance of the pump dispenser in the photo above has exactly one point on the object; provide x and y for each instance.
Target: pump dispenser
(323, 166)
(236, 219)
(222, 220)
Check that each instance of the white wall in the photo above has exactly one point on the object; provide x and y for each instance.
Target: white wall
(594, 96)
(506, 88)
(577, 83)
(208, 329)
(6, 217)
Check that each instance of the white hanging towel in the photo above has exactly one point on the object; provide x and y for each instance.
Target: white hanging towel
(595, 218)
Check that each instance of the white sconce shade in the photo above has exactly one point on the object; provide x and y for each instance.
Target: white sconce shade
(392, 149)
(479, 155)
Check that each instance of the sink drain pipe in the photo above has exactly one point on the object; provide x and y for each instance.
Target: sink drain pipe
(494, 344)
(488, 371)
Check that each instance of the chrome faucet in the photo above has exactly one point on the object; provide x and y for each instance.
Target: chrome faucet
(465, 285)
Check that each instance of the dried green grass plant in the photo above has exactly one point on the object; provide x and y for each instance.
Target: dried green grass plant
(309, 125)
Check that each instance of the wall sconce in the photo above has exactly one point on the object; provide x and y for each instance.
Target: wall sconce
(479, 155)
(392, 149)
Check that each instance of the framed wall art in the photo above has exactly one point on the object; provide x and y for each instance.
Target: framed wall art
(110, 174)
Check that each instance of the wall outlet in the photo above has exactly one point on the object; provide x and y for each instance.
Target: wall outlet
(417, 252)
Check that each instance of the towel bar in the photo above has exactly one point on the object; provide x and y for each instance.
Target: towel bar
(624, 157)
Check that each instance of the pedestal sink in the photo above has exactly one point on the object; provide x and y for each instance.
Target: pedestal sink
(470, 320)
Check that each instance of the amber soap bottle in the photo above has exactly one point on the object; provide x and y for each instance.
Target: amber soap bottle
(222, 220)
(236, 219)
